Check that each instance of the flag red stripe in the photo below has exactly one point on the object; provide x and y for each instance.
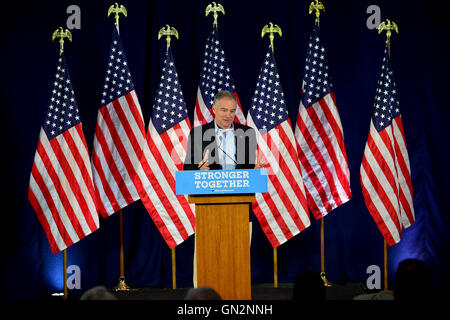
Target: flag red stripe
(279, 186)
(60, 189)
(136, 142)
(376, 216)
(135, 111)
(379, 157)
(161, 192)
(123, 155)
(44, 223)
(50, 203)
(157, 219)
(265, 226)
(198, 113)
(320, 158)
(378, 188)
(293, 153)
(162, 163)
(404, 167)
(182, 139)
(52, 207)
(310, 171)
(105, 185)
(334, 125)
(328, 144)
(65, 166)
(86, 211)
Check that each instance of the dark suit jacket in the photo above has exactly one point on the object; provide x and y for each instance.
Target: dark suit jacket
(202, 138)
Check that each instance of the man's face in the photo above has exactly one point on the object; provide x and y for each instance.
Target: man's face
(224, 111)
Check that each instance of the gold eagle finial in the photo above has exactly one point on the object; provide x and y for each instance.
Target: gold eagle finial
(168, 31)
(271, 29)
(61, 34)
(388, 25)
(214, 8)
(316, 6)
(116, 9)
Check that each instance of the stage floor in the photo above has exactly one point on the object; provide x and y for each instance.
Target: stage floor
(259, 292)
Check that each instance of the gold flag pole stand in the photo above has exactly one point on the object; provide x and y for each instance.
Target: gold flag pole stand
(61, 34)
(169, 31)
(271, 29)
(315, 7)
(387, 26)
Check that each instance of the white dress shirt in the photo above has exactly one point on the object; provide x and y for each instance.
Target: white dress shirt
(225, 141)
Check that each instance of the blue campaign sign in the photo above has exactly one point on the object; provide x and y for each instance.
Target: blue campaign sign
(221, 181)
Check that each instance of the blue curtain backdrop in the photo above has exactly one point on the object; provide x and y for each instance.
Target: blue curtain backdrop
(420, 56)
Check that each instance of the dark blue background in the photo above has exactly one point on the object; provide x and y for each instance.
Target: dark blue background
(352, 241)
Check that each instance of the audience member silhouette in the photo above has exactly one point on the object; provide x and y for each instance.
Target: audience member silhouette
(309, 286)
(413, 281)
(98, 293)
(202, 293)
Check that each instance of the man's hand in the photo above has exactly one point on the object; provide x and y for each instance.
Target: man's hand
(259, 163)
(204, 165)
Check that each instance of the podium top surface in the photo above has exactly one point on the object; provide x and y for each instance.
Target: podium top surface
(223, 198)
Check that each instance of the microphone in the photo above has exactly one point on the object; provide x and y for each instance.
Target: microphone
(218, 147)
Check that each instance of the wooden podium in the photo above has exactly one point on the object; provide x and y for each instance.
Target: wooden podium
(223, 243)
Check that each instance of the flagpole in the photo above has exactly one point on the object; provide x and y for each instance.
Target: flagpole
(315, 7)
(275, 268)
(174, 270)
(387, 26)
(122, 285)
(169, 31)
(61, 34)
(65, 273)
(271, 29)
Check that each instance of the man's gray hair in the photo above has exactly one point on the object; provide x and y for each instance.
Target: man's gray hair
(224, 94)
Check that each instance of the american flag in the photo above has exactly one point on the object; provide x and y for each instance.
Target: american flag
(214, 76)
(167, 139)
(283, 211)
(385, 172)
(61, 191)
(119, 137)
(319, 135)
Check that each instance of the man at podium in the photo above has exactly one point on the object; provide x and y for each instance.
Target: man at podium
(222, 144)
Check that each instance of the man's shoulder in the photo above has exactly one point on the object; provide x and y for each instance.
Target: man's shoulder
(203, 127)
(242, 126)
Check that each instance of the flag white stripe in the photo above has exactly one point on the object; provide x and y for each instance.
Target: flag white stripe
(379, 173)
(402, 179)
(178, 149)
(284, 180)
(202, 109)
(270, 218)
(160, 177)
(36, 189)
(76, 169)
(66, 184)
(40, 166)
(155, 199)
(271, 159)
(124, 171)
(311, 158)
(110, 180)
(379, 205)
